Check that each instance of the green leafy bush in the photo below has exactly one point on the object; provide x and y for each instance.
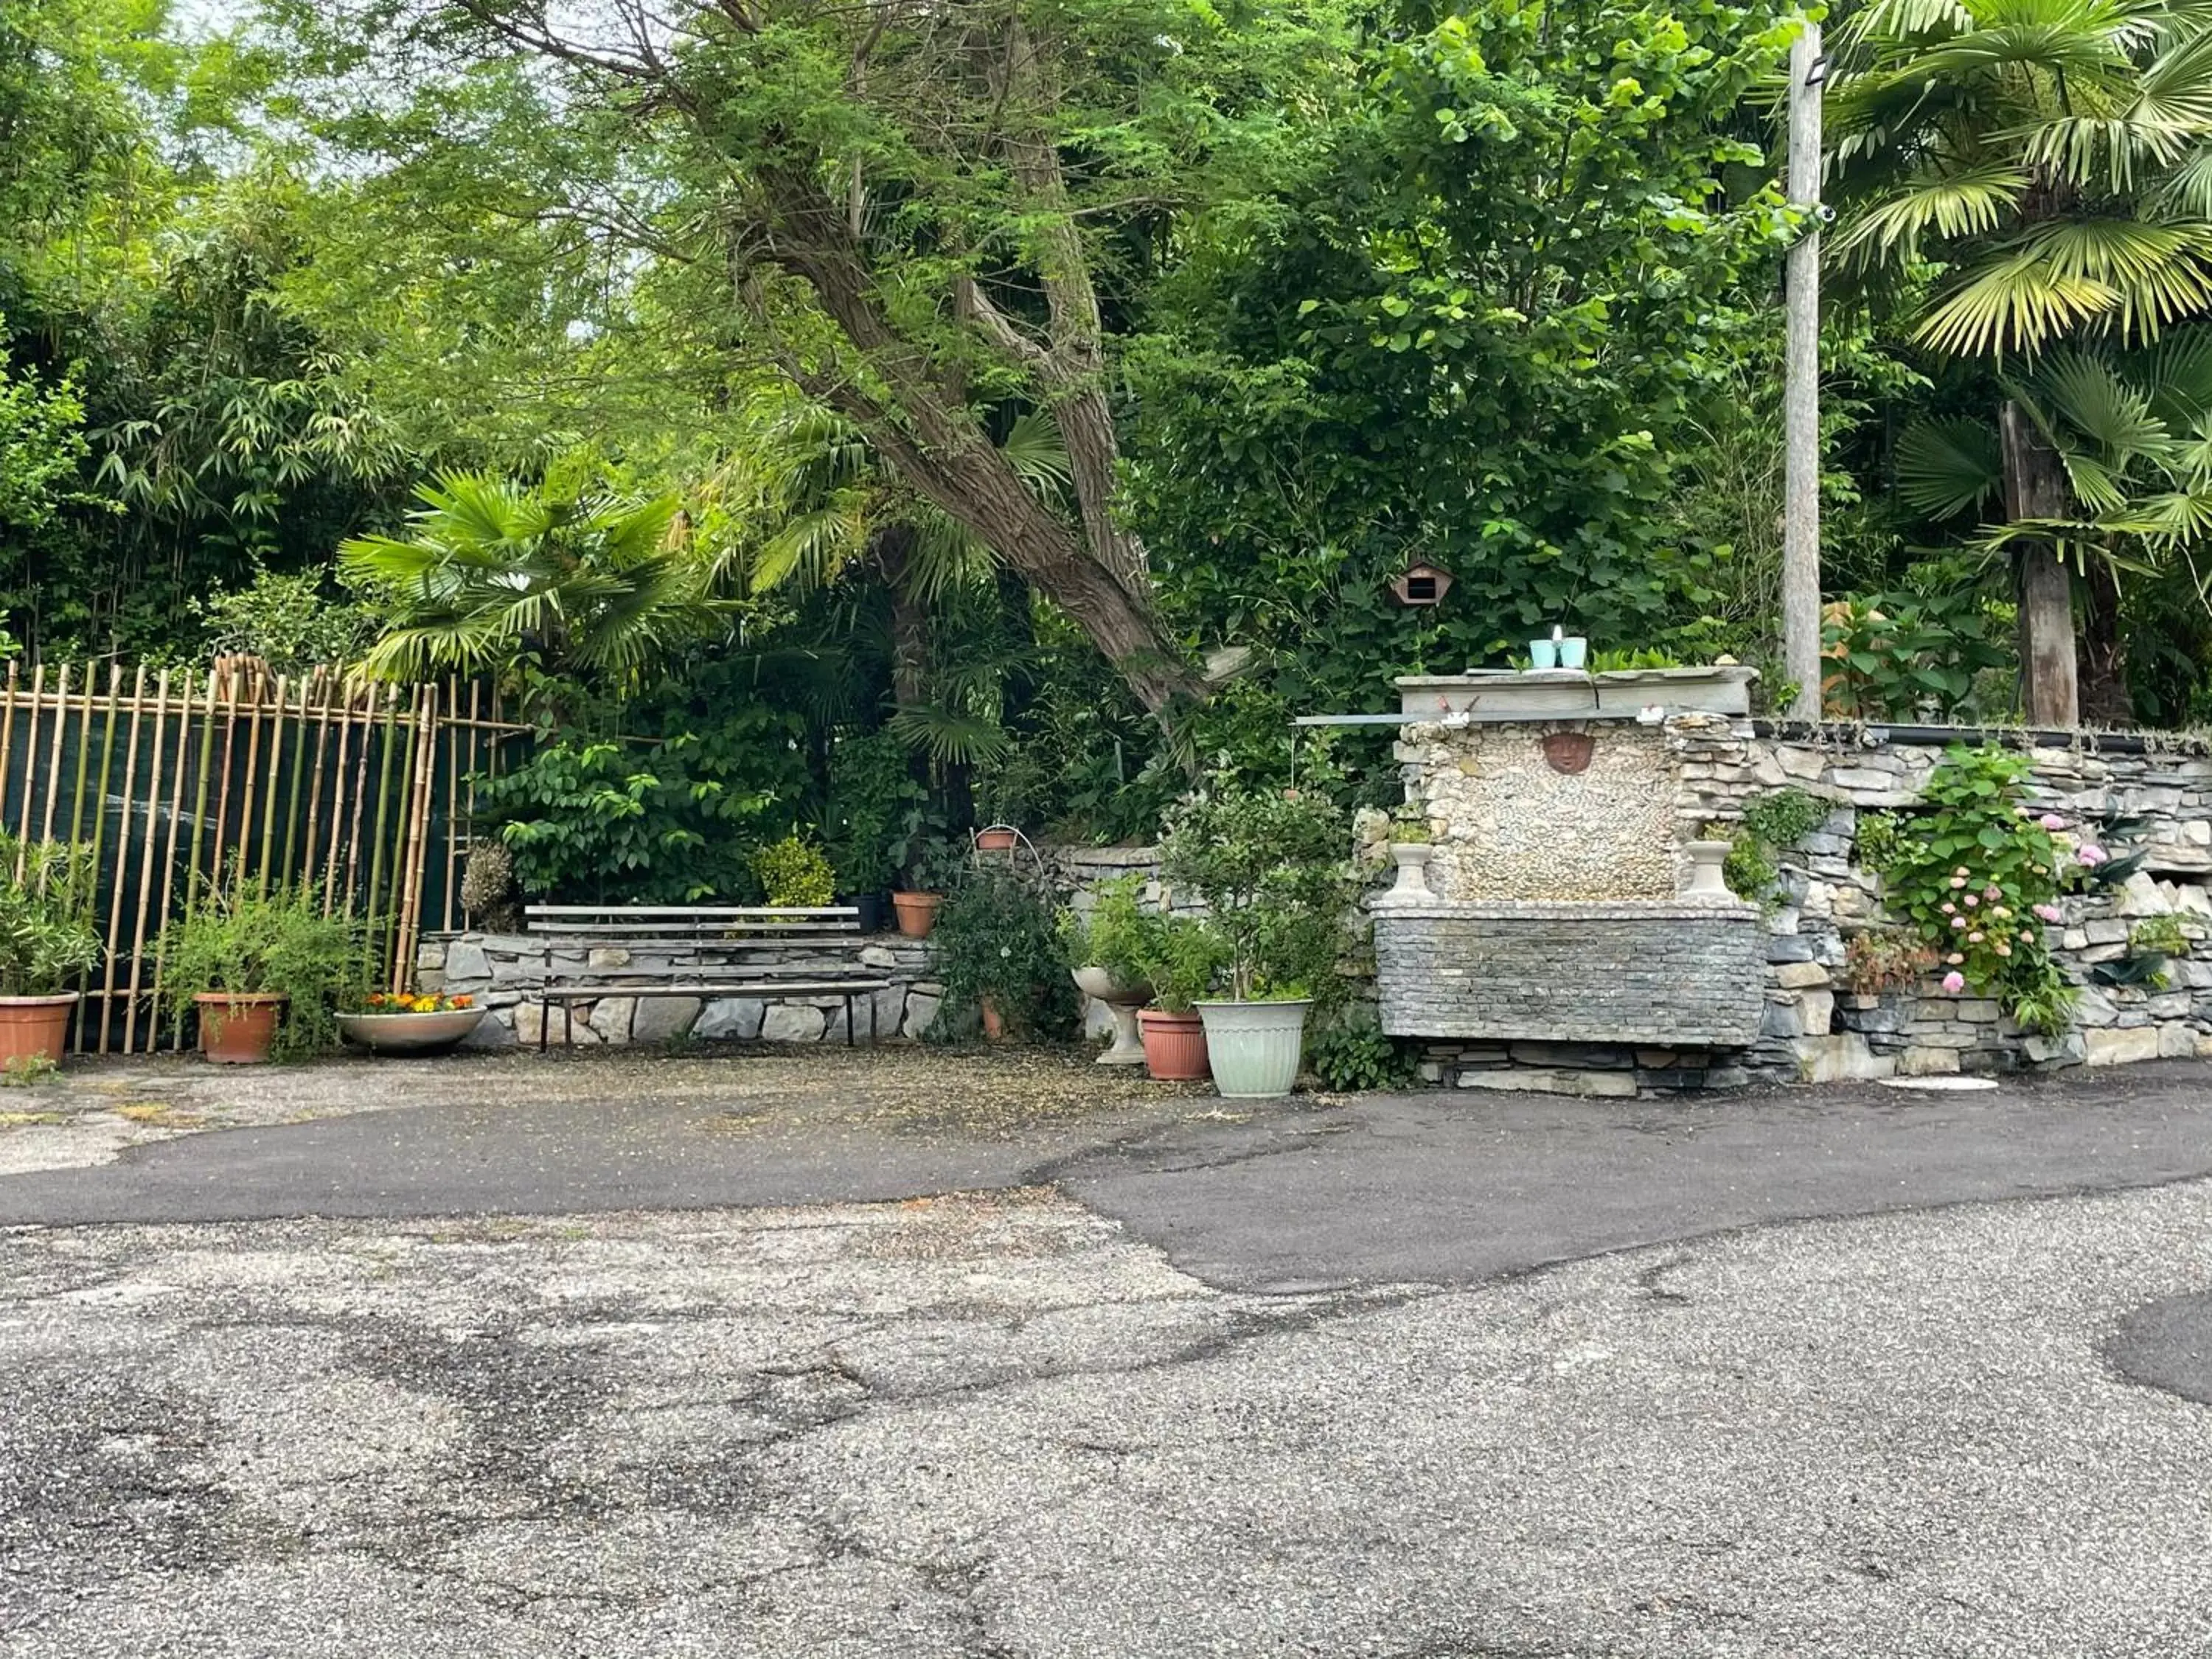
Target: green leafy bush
(47, 938)
(288, 621)
(1896, 656)
(874, 808)
(1358, 1055)
(1272, 868)
(997, 936)
(793, 873)
(1119, 934)
(1977, 877)
(280, 943)
(1180, 960)
(1885, 959)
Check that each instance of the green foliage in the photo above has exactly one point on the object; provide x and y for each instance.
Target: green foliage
(997, 937)
(1118, 934)
(1355, 1053)
(249, 944)
(289, 620)
(793, 873)
(47, 938)
(1181, 959)
(600, 822)
(1901, 656)
(1883, 959)
(1271, 866)
(1749, 869)
(2161, 935)
(2152, 944)
(1783, 818)
(875, 807)
(1977, 877)
(27, 1071)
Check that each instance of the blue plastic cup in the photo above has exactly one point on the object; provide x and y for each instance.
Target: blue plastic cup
(1543, 654)
(1573, 653)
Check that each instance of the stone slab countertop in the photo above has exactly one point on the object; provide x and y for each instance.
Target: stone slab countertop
(1571, 694)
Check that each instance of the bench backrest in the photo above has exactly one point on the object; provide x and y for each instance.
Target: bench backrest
(677, 924)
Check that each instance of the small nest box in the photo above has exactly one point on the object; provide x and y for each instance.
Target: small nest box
(1420, 584)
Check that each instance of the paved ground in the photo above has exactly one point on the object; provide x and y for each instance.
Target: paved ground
(1832, 1375)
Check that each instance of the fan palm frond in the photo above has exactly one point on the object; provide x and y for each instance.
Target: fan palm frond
(948, 737)
(1948, 468)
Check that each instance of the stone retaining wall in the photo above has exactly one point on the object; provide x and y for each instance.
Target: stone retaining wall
(501, 970)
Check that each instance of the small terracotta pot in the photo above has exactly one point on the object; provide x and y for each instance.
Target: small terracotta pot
(236, 1028)
(916, 912)
(994, 1023)
(998, 839)
(1175, 1045)
(32, 1026)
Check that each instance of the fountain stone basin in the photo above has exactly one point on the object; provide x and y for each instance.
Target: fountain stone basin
(1666, 973)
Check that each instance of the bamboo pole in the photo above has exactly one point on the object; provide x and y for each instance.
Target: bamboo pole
(275, 771)
(30, 770)
(245, 796)
(299, 777)
(146, 857)
(121, 850)
(54, 757)
(452, 741)
(315, 783)
(339, 815)
(360, 796)
(218, 681)
(84, 1011)
(7, 741)
(222, 793)
(169, 858)
(391, 830)
(414, 859)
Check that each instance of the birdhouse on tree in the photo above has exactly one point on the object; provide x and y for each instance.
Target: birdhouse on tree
(1421, 583)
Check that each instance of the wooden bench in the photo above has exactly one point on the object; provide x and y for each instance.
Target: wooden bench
(704, 940)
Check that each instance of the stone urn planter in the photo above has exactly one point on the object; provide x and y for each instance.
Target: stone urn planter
(34, 1027)
(237, 1027)
(1412, 886)
(1706, 881)
(1121, 1001)
(1255, 1048)
(917, 912)
(410, 1034)
(1175, 1045)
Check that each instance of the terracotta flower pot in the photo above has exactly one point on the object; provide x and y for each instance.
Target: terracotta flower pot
(1175, 1045)
(997, 839)
(34, 1026)
(236, 1028)
(917, 912)
(994, 1023)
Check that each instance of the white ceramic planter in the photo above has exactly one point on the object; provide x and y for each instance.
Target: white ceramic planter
(1121, 1001)
(1253, 1047)
(1412, 886)
(410, 1034)
(1706, 881)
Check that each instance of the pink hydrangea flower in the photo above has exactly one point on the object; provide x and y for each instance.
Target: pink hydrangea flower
(2004, 948)
(1962, 870)
(1954, 958)
(2027, 936)
(2052, 821)
(2048, 912)
(1957, 881)
(1947, 907)
(1958, 921)
(1954, 981)
(1974, 937)
(1972, 899)
(2091, 855)
(1992, 891)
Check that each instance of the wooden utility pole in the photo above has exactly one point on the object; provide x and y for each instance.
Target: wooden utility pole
(1800, 396)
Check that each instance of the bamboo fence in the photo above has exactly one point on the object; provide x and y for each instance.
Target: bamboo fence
(180, 779)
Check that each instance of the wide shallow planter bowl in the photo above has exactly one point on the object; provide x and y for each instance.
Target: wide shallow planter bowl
(1254, 1046)
(34, 1027)
(410, 1034)
(917, 912)
(1175, 1045)
(236, 1028)
(1121, 1001)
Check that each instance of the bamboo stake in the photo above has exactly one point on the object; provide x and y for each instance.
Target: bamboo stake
(222, 793)
(84, 745)
(245, 796)
(315, 783)
(30, 770)
(98, 821)
(146, 857)
(276, 771)
(386, 831)
(299, 777)
(54, 756)
(169, 856)
(7, 741)
(217, 681)
(338, 814)
(122, 848)
(407, 886)
(453, 740)
(360, 796)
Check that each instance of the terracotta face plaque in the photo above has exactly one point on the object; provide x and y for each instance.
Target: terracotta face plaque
(1568, 752)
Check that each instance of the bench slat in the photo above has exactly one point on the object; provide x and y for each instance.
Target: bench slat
(764, 992)
(770, 911)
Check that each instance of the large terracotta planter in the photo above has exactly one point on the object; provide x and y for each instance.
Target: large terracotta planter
(236, 1028)
(410, 1034)
(33, 1027)
(917, 912)
(1175, 1045)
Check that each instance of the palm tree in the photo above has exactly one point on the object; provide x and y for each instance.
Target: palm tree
(2052, 161)
(493, 572)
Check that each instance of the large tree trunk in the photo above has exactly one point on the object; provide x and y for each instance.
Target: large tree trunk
(2035, 487)
(2106, 699)
(894, 552)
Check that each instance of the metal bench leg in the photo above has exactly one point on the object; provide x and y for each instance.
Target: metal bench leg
(544, 1023)
(849, 1040)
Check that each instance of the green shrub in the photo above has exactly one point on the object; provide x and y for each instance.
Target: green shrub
(1272, 868)
(1355, 1053)
(47, 938)
(875, 808)
(997, 936)
(283, 944)
(1117, 935)
(794, 873)
(1181, 959)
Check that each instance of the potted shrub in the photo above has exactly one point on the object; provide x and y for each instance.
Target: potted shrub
(1107, 949)
(47, 940)
(265, 972)
(1000, 953)
(934, 868)
(1180, 957)
(1271, 867)
(410, 1022)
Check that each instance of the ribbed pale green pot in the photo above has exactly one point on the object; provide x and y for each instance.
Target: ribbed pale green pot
(1255, 1048)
